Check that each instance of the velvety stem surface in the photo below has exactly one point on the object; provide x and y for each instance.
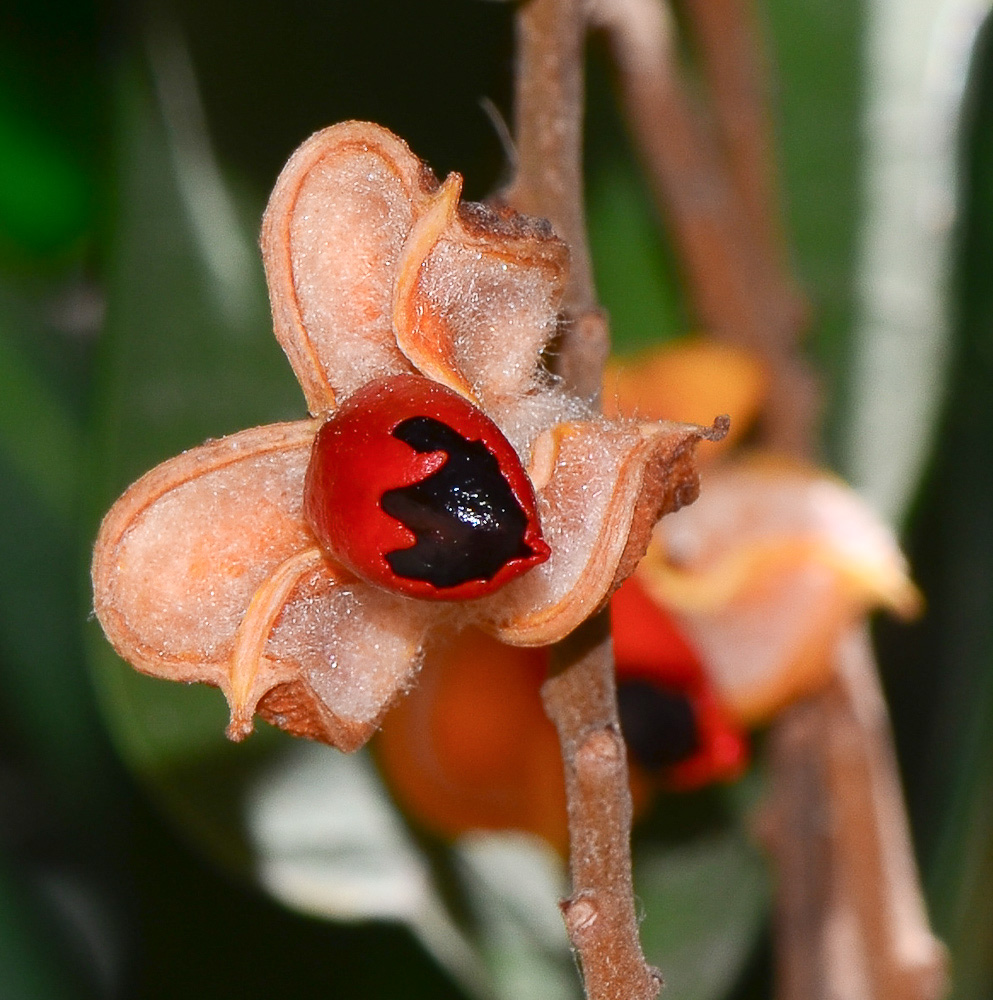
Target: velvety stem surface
(549, 96)
(579, 696)
(729, 41)
(738, 289)
(581, 700)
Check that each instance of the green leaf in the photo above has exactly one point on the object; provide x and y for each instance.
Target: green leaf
(943, 687)
(29, 953)
(46, 192)
(515, 883)
(816, 54)
(635, 277)
(37, 434)
(327, 841)
(704, 900)
(916, 55)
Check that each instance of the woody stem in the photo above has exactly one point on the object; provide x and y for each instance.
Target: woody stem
(549, 179)
(579, 696)
(735, 276)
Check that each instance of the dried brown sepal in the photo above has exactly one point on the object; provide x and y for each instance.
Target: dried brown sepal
(342, 207)
(171, 600)
(375, 269)
(205, 571)
(607, 484)
(669, 483)
(476, 297)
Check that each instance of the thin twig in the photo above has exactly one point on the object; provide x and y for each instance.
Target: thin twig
(579, 696)
(854, 870)
(581, 700)
(846, 863)
(550, 91)
(683, 164)
(736, 69)
(733, 57)
(871, 835)
(551, 36)
(850, 916)
(739, 293)
(795, 828)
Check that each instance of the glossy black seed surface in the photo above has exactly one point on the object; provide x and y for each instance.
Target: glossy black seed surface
(466, 520)
(659, 725)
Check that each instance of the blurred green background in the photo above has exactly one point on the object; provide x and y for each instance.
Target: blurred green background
(137, 147)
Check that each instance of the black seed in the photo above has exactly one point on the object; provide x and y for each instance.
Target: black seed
(467, 523)
(659, 725)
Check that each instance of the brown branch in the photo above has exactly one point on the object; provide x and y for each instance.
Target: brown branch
(683, 165)
(549, 97)
(579, 696)
(795, 830)
(581, 700)
(734, 59)
(846, 860)
(871, 835)
(850, 917)
(739, 291)
(733, 56)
